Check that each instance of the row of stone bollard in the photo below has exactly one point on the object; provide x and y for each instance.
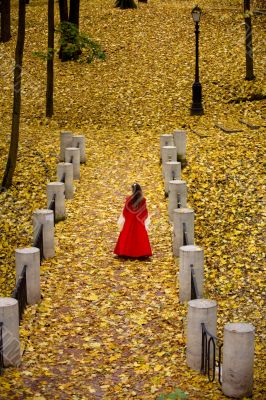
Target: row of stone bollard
(173, 157)
(237, 350)
(72, 153)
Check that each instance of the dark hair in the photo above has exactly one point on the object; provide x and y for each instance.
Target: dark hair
(137, 196)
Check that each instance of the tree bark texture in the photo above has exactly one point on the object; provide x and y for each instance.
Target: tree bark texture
(5, 21)
(13, 149)
(74, 12)
(50, 61)
(63, 10)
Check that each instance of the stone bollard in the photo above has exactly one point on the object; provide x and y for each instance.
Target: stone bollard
(177, 196)
(73, 153)
(238, 360)
(79, 142)
(10, 331)
(190, 255)
(31, 258)
(166, 140)
(182, 216)
(180, 144)
(168, 154)
(66, 140)
(199, 311)
(46, 219)
(57, 189)
(67, 170)
(172, 171)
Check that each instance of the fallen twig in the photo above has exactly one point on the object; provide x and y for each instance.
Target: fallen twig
(251, 126)
(199, 134)
(226, 130)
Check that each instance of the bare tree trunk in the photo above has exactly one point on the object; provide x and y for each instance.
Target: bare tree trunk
(124, 4)
(5, 21)
(74, 12)
(67, 32)
(249, 47)
(13, 149)
(50, 61)
(63, 10)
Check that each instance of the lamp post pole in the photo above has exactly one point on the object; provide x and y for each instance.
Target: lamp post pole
(196, 108)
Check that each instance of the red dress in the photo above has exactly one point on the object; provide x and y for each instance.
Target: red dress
(133, 240)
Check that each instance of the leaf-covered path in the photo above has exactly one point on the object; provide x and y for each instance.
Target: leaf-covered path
(108, 328)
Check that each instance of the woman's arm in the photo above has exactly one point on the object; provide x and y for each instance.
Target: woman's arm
(121, 222)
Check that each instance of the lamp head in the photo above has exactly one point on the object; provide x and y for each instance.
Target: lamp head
(196, 13)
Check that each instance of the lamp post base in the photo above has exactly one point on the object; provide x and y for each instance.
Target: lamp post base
(196, 107)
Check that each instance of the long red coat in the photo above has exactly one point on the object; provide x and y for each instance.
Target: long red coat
(133, 240)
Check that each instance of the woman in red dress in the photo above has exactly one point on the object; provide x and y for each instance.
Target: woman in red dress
(133, 240)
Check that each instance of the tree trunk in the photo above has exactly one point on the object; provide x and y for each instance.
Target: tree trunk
(63, 10)
(124, 4)
(74, 12)
(13, 149)
(249, 47)
(67, 36)
(5, 21)
(50, 61)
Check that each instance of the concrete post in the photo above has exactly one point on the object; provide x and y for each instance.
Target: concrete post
(79, 141)
(199, 311)
(57, 189)
(66, 139)
(168, 154)
(10, 331)
(180, 143)
(73, 153)
(182, 215)
(46, 218)
(238, 360)
(172, 171)
(177, 189)
(30, 257)
(67, 170)
(190, 255)
(166, 140)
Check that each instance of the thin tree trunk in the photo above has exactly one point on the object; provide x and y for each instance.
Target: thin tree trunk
(72, 18)
(13, 149)
(63, 10)
(249, 47)
(74, 12)
(50, 61)
(5, 21)
(124, 4)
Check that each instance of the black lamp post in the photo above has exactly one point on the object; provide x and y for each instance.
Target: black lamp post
(196, 108)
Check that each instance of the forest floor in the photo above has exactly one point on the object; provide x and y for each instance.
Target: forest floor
(108, 328)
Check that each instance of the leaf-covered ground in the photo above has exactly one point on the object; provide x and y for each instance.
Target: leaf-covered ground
(114, 329)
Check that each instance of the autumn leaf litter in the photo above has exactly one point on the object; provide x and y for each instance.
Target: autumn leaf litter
(112, 329)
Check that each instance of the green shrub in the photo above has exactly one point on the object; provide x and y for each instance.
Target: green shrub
(75, 45)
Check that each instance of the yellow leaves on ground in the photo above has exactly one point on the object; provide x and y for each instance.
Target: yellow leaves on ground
(93, 297)
(109, 328)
